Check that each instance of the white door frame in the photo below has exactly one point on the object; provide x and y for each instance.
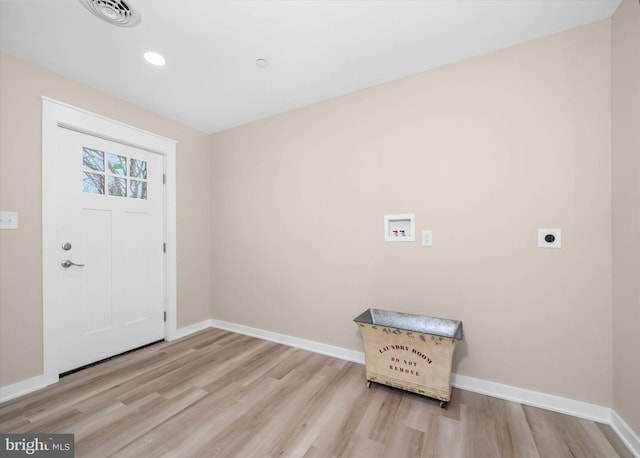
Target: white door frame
(56, 115)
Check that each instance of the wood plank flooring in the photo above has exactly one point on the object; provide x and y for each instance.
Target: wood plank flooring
(220, 394)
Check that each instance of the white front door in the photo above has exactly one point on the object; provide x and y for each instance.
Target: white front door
(116, 300)
(110, 237)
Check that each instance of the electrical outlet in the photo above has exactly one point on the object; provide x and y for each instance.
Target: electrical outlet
(549, 238)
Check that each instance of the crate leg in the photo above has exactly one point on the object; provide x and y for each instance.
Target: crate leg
(443, 404)
(368, 383)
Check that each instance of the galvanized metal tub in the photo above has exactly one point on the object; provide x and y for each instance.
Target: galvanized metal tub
(410, 352)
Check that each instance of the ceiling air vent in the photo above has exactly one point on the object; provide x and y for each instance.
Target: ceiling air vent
(116, 12)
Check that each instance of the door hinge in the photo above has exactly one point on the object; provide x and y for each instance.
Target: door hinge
(164, 247)
(164, 178)
(165, 316)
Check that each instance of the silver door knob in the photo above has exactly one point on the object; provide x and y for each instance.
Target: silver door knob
(67, 263)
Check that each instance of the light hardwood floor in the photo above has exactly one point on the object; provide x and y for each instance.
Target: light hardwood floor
(220, 394)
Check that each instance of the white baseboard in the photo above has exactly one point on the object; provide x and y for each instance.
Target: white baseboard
(533, 398)
(192, 328)
(625, 433)
(310, 345)
(18, 389)
(511, 393)
(496, 390)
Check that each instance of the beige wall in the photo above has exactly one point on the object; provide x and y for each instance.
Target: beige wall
(484, 152)
(21, 86)
(626, 211)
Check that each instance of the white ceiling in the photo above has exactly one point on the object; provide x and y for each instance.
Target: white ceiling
(316, 49)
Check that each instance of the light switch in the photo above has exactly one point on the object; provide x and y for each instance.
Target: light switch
(8, 220)
(427, 238)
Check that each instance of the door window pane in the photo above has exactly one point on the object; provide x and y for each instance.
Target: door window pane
(138, 189)
(117, 186)
(138, 168)
(92, 183)
(107, 174)
(117, 164)
(93, 159)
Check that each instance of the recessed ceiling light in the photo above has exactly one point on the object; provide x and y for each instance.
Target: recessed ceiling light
(262, 63)
(154, 58)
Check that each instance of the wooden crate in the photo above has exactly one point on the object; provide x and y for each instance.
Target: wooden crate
(410, 352)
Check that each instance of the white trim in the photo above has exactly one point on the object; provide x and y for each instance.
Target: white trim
(310, 345)
(171, 256)
(49, 246)
(192, 328)
(625, 433)
(18, 389)
(497, 390)
(55, 115)
(149, 140)
(24, 387)
(533, 398)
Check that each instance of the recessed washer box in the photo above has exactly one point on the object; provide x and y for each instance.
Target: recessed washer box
(400, 228)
